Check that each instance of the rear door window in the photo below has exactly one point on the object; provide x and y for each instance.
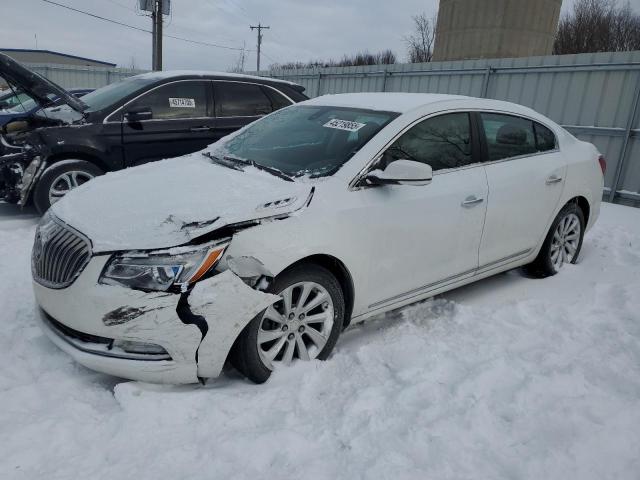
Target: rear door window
(184, 99)
(545, 139)
(508, 136)
(235, 99)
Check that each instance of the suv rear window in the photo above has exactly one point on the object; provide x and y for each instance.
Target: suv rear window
(278, 100)
(235, 99)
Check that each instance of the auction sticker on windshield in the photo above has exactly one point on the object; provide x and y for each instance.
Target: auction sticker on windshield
(182, 103)
(347, 125)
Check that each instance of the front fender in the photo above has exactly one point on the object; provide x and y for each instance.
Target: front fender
(227, 305)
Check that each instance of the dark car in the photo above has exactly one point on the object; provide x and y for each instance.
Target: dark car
(18, 105)
(140, 119)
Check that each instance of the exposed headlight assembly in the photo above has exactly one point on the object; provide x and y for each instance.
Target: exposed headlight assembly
(162, 269)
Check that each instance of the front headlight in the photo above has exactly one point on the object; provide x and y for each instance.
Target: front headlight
(162, 269)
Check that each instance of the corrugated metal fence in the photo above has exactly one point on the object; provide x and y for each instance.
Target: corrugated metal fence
(595, 96)
(70, 76)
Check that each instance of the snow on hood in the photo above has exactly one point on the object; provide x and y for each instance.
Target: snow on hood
(168, 203)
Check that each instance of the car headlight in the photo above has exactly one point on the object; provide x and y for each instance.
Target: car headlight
(162, 269)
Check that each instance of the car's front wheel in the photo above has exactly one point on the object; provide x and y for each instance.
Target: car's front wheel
(562, 243)
(59, 179)
(303, 325)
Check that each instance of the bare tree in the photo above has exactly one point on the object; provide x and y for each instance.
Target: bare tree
(598, 26)
(420, 42)
(384, 57)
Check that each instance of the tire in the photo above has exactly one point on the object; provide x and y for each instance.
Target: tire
(76, 172)
(251, 358)
(547, 262)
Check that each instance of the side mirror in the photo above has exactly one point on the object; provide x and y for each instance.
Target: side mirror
(138, 114)
(401, 172)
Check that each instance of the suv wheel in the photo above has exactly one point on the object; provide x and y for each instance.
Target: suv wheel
(59, 179)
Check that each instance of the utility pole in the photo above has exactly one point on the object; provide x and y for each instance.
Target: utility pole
(153, 36)
(259, 28)
(156, 17)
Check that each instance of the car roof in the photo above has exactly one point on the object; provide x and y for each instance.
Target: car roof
(406, 102)
(170, 74)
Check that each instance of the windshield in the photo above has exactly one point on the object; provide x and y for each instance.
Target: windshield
(305, 140)
(107, 96)
(14, 101)
(25, 106)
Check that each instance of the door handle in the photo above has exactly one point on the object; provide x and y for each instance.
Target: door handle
(471, 201)
(199, 129)
(553, 179)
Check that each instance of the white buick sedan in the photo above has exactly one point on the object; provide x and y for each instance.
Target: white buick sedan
(261, 249)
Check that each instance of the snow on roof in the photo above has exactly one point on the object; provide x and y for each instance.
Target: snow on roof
(204, 73)
(405, 102)
(384, 101)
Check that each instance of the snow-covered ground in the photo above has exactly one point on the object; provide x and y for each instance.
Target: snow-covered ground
(509, 378)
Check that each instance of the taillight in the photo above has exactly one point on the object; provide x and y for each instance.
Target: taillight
(603, 164)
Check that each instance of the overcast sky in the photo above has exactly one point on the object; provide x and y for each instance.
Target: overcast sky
(300, 29)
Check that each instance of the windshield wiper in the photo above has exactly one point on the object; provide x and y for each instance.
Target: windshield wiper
(222, 162)
(271, 170)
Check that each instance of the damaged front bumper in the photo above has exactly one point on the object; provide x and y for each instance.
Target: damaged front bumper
(20, 169)
(188, 335)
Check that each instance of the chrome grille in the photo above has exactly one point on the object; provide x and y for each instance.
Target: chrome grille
(59, 253)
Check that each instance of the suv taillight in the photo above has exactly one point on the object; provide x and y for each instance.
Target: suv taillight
(603, 164)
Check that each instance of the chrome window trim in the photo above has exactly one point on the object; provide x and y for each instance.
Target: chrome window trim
(353, 184)
(497, 112)
(107, 118)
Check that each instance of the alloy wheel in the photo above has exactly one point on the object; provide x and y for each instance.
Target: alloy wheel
(296, 327)
(565, 241)
(65, 182)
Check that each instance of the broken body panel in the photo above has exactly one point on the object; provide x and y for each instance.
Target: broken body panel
(224, 302)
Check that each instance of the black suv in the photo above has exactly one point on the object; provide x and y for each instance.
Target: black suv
(140, 119)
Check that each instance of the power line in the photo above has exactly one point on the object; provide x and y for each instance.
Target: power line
(269, 57)
(123, 6)
(122, 24)
(197, 42)
(96, 16)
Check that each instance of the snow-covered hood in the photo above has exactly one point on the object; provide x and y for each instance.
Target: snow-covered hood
(168, 203)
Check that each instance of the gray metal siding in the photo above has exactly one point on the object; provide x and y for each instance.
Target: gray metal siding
(70, 76)
(594, 95)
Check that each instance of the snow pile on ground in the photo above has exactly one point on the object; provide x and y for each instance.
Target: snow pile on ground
(509, 378)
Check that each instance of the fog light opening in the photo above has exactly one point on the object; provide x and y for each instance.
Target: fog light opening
(143, 348)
